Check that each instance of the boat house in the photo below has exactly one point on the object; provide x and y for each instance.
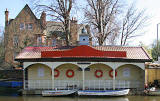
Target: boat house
(84, 67)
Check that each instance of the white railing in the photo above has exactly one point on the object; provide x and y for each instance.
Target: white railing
(136, 84)
(98, 84)
(66, 84)
(38, 84)
(88, 84)
(122, 84)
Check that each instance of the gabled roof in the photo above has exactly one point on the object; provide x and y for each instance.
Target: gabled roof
(29, 12)
(28, 9)
(100, 52)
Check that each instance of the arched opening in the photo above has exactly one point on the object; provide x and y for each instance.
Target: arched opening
(38, 76)
(130, 76)
(97, 77)
(69, 76)
(98, 71)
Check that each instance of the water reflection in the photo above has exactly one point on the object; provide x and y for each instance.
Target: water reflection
(104, 99)
(39, 98)
(74, 99)
(48, 99)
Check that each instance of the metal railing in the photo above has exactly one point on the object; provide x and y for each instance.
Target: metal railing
(98, 84)
(119, 84)
(66, 84)
(88, 84)
(38, 84)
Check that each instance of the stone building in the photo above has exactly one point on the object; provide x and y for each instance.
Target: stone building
(27, 30)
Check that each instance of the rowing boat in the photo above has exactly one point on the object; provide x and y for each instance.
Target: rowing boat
(58, 92)
(103, 93)
(152, 91)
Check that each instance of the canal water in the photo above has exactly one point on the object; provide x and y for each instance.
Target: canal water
(11, 94)
(39, 98)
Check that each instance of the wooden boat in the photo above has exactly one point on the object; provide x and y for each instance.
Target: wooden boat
(152, 91)
(104, 93)
(58, 92)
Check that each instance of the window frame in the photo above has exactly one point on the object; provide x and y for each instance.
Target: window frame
(16, 41)
(26, 26)
(22, 27)
(39, 40)
(55, 42)
(29, 26)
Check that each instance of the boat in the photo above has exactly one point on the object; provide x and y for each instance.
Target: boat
(58, 92)
(104, 93)
(152, 91)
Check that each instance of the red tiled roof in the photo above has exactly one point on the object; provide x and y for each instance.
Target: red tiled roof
(83, 51)
(131, 52)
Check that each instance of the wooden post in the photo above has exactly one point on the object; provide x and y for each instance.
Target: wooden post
(83, 76)
(114, 79)
(52, 78)
(24, 81)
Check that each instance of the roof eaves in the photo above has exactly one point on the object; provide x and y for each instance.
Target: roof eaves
(145, 51)
(77, 59)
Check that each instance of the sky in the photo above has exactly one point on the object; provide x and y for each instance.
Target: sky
(151, 6)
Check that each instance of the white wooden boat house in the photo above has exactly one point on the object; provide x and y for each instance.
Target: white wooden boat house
(83, 67)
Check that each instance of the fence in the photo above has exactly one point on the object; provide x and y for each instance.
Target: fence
(88, 84)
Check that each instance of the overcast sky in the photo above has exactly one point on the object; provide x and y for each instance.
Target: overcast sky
(152, 9)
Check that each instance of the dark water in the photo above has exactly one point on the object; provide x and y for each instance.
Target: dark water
(11, 94)
(39, 98)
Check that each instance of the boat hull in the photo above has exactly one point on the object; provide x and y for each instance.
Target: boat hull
(104, 93)
(58, 92)
(153, 93)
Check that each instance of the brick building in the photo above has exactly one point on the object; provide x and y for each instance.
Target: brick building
(27, 30)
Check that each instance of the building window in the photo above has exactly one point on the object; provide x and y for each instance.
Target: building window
(15, 41)
(14, 55)
(83, 30)
(40, 72)
(21, 26)
(39, 40)
(126, 72)
(29, 26)
(54, 42)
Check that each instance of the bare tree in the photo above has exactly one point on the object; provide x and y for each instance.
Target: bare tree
(101, 15)
(112, 39)
(59, 10)
(131, 23)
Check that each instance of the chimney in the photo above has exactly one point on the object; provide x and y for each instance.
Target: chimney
(43, 19)
(74, 20)
(73, 31)
(89, 32)
(6, 17)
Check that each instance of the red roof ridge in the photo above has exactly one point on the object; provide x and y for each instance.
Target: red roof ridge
(83, 51)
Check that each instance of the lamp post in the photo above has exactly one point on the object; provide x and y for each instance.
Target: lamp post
(157, 41)
(157, 50)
